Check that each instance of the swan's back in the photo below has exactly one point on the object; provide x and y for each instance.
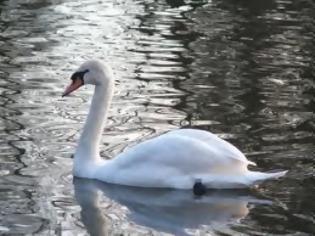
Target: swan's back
(187, 149)
(217, 144)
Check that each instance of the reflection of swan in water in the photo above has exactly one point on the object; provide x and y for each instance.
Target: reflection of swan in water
(170, 211)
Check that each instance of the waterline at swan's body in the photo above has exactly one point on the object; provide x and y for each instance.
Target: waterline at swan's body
(176, 159)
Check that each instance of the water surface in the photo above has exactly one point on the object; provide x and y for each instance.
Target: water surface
(241, 69)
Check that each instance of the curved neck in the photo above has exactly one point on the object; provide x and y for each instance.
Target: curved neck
(88, 146)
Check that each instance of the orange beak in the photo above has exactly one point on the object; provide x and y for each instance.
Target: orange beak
(77, 83)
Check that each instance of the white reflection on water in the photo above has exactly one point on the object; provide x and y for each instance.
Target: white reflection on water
(172, 211)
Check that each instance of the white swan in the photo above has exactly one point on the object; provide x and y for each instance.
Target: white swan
(177, 159)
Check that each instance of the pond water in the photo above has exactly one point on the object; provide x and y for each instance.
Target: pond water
(241, 69)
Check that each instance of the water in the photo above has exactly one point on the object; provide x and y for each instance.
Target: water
(242, 69)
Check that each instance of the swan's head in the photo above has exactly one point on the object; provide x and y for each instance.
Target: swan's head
(91, 72)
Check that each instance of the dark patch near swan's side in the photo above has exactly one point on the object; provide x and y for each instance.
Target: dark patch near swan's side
(199, 188)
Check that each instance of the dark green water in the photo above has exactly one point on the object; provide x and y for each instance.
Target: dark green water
(241, 69)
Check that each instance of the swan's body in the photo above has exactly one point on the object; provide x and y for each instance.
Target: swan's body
(176, 159)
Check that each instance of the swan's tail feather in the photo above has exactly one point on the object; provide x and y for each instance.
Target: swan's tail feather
(256, 177)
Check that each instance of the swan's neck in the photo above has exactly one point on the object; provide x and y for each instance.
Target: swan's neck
(88, 146)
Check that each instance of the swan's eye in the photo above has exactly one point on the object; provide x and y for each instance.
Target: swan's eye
(79, 75)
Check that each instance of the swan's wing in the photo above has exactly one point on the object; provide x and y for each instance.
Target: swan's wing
(181, 154)
(217, 144)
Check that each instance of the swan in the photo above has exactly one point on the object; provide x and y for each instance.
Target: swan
(180, 159)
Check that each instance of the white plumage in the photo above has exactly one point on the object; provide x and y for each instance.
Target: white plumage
(176, 159)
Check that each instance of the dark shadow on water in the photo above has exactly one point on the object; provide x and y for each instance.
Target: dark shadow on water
(166, 210)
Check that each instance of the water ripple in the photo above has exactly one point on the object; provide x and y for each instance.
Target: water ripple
(242, 69)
